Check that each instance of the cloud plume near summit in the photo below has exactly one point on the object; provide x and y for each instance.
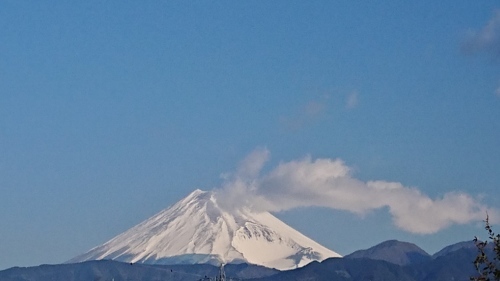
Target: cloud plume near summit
(329, 183)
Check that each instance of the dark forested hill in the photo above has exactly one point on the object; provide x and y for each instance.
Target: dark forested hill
(393, 251)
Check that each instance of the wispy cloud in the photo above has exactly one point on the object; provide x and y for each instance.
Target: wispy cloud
(329, 183)
(486, 39)
(352, 100)
(309, 113)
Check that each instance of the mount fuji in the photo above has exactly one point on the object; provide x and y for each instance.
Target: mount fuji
(198, 230)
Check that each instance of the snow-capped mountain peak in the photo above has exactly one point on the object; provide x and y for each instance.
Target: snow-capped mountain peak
(197, 230)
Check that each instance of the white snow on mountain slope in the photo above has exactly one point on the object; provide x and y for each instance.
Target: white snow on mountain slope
(197, 230)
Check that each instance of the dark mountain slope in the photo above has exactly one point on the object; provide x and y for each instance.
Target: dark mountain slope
(452, 263)
(393, 251)
(454, 247)
(339, 269)
(456, 265)
(118, 271)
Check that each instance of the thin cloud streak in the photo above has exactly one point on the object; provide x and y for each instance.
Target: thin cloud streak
(352, 100)
(485, 40)
(311, 112)
(329, 183)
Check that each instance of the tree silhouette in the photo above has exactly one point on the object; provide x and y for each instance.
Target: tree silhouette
(488, 267)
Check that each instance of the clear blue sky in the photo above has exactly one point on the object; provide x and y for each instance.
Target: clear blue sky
(113, 110)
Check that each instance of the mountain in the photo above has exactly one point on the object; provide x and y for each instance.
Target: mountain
(455, 265)
(450, 265)
(393, 251)
(342, 269)
(113, 270)
(455, 247)
(198, 230)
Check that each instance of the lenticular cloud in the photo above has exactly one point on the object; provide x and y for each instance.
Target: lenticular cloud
(329, 183)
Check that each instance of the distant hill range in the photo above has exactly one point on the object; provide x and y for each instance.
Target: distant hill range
(389, 261)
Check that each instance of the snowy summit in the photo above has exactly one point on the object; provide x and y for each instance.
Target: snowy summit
(197, 230)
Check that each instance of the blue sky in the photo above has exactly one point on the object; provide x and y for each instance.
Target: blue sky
(111, 111)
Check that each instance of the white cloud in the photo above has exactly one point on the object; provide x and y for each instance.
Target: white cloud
(497, 92)
(329, 183)
(487, 39)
